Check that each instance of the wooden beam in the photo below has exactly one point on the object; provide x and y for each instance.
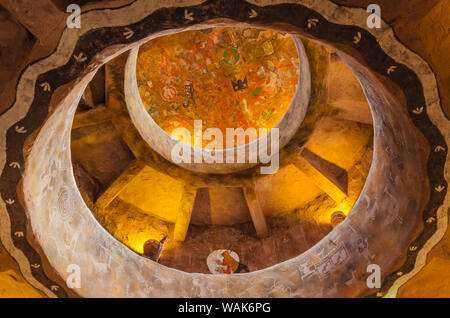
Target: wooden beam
(131, 172)
(184, 213)
(330, 178)
(256, 213)
(91, 117)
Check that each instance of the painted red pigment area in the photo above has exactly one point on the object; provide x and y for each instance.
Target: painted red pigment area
(226, 77)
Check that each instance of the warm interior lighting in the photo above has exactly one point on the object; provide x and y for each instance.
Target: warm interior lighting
(153, 200)
(226, 77)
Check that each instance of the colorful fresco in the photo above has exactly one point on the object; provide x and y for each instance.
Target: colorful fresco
(226, 77)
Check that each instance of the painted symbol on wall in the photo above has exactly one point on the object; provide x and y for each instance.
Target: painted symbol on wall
(188, 15)
(20, 129)
(80, 58)
(229, 37)
(391, 69)
(169, 93)
(312, 23)
(188, 94)
(101, 268)
(306, 270)
(439, 148)
(439, 188)
(431, 220)
(239, 85)
(252, 14)
(418, 110)
(361, 245)
(268, 48)
(46, 87)
(66, 204)
(231, 56)
(128, 33)
(321, 264)
(270, 114)
(357, 38)
(15, 164)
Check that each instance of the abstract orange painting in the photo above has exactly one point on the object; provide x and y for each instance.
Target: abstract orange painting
(226, 77)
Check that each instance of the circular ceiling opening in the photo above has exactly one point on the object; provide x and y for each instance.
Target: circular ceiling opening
(232, 97)
(227, 77)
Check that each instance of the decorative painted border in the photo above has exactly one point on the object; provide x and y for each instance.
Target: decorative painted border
(319, 19)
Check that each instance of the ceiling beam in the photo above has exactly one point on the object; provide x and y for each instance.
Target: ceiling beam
(91, 117)
(330, 178)
(256, 212)
(184, 213)
(128, 175)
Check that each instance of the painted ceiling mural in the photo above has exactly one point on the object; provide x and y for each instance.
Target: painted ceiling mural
(227, 77)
